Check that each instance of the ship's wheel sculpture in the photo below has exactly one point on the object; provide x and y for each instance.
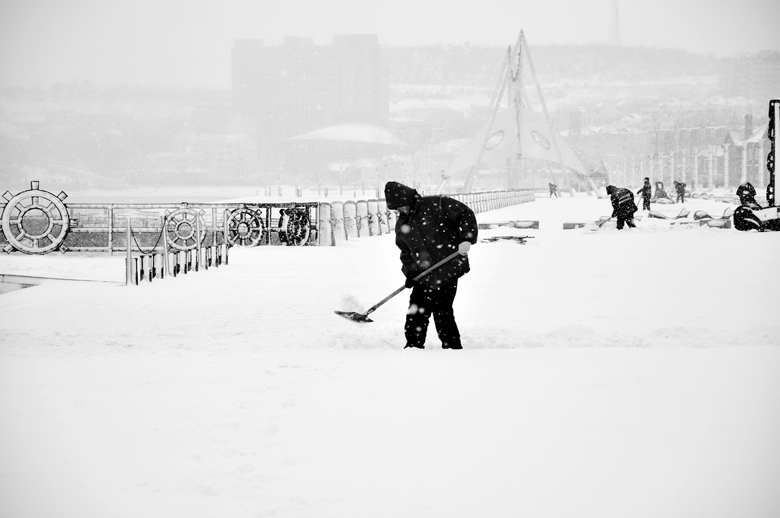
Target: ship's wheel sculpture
(294, 226)
(35, 221)
(185, 228)
(245, 227)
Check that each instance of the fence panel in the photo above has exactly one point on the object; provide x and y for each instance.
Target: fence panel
(339, 220)
(373, 218)
(383, 216)
(350, 219)
(362, 218)
(327, 225)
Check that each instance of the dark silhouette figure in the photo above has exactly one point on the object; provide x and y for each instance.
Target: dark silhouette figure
(647, 192)
(623, 206)
(745, 217)
(429, 229)
(680, 188)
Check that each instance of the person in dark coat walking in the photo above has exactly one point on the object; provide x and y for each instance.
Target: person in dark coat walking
(553, 190)
(623, 206)
(428, 229)
(680, 188)
(647, 192)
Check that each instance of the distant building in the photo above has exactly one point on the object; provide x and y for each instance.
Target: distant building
(282, 91)
(755, 76)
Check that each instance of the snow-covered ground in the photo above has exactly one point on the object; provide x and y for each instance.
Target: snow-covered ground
(605, 374)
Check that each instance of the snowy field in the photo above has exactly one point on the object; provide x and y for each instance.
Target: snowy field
(605, 374)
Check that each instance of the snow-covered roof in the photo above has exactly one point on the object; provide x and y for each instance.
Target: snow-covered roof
(758, 135)
(734, 137)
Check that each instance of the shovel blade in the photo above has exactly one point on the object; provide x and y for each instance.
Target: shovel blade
(355, 317)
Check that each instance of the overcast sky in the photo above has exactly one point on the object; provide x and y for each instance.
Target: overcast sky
(188, 42)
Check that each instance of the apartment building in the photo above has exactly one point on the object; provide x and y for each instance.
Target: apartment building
(284, 90)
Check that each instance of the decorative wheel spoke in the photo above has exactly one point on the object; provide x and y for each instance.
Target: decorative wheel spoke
(182, 229)
(44, 216)
(245, 228)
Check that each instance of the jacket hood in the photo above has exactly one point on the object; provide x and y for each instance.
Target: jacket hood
(746, 188)
(611, 189)
(398, 195)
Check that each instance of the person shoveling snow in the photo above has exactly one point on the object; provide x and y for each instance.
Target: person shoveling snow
(623, 206)
(434, 234)
(428, 230)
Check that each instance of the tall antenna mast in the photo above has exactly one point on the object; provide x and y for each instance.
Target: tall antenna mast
(519, 92)
(614, 24)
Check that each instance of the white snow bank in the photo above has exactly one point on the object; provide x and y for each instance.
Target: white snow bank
(601, 378)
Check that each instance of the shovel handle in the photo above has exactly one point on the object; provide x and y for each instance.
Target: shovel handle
(450, 257)
(402, 288)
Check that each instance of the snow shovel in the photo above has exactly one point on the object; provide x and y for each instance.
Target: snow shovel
(599, 224)
(362, 318)
(595, 225)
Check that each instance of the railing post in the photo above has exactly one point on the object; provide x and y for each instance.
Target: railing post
(167, 264)
(128, 258)
(110, 230)
(197, 243)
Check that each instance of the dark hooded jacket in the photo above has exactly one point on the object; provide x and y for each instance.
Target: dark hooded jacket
(432, 231)
(747, 196)
(623, 205)
(646, 190)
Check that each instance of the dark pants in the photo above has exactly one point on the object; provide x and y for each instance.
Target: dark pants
(645, 203)
(425, 301)
(625, 219)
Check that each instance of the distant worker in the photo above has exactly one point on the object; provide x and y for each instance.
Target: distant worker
(647, 192)
(660, 194)
(750, 215)
(680, 188)
(553, 190)
(747, 196)
(623, 206)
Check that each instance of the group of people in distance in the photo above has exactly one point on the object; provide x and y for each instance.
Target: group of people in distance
(623, 206)
(748, 216)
